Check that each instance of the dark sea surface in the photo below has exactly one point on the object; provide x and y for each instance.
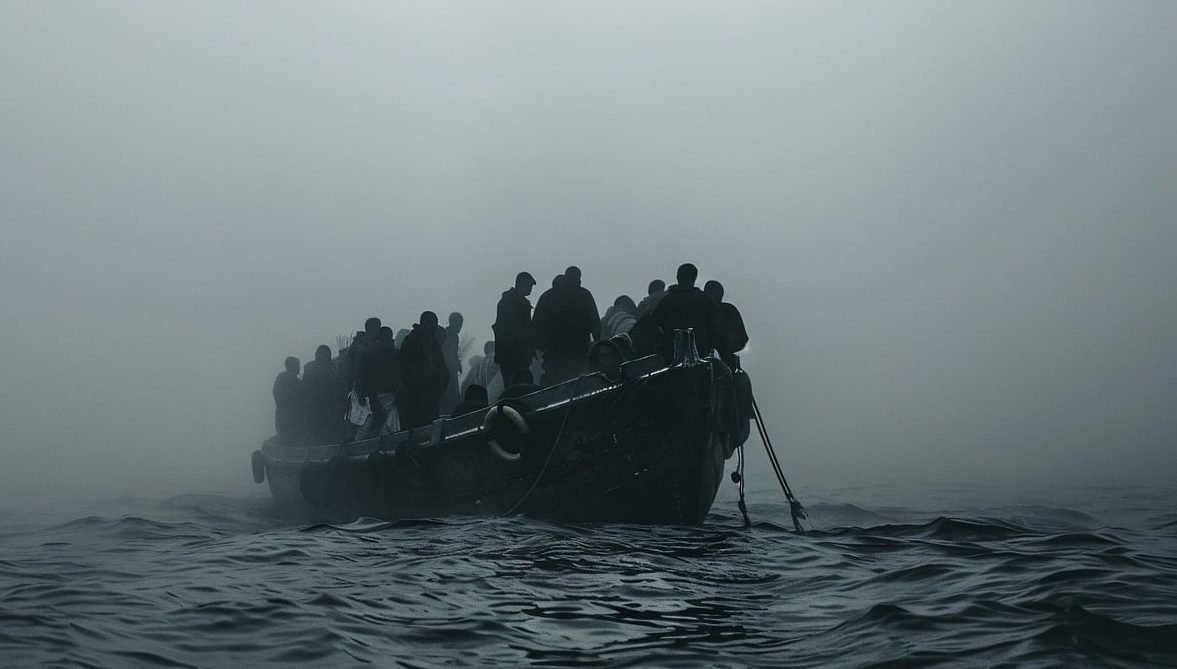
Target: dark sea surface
(890, 575)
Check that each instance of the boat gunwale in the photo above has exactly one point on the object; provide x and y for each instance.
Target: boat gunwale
(434, 435)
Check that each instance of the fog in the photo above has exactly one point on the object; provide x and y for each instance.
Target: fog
(951, 227)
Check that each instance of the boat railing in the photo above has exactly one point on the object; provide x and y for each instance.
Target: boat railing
(449, 428)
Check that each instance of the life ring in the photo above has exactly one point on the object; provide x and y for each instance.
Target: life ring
(259, 467)
(493, 423)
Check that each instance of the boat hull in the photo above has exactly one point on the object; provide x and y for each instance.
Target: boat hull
(649, 448)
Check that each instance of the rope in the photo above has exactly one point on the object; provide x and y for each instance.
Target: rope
(738, 477)
(551, 452)
(795, 508)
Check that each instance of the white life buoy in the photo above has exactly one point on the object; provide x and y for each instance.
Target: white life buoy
(516, 419)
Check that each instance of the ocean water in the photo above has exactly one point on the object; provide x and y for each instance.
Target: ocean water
(888, 576)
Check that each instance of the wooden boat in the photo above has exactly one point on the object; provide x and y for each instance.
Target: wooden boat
(645, 446)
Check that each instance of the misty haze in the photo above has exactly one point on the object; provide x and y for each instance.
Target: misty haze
(950, 230)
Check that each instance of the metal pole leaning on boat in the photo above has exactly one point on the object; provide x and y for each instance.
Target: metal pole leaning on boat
(795, 509)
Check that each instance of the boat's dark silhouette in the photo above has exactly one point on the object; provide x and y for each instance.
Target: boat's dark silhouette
(644, 446)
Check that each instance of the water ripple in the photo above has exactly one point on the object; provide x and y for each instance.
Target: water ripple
(204, 580)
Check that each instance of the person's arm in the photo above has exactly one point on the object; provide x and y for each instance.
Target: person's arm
(739, 332)
(594, 316)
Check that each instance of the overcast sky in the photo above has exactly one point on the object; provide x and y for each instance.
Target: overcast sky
(951, 227)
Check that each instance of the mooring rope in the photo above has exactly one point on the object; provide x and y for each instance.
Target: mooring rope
(551, 452)
(738, 477)
(795, 509)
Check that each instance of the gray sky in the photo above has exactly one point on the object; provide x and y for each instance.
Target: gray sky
(951, 227)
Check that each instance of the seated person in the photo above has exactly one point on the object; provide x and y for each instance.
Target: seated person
(522, 383)
(606, 358)
(475, 398)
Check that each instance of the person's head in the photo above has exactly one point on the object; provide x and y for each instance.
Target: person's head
(625, 303)
(323, 353)
(657, 287)
(372, 326)
(523, 282)
(714, 290)
(293, 365)
(624, 344)
(573, 274)
(488, 348)
(605, 357)
(456, 321)
(559, 281)
(686, 275)
(428, 319)
(476, 393)
(521, 377)
(385, 335)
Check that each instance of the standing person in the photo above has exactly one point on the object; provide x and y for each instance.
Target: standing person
(655, 292)
(289, 403)
(424, 376)
(379, 378)
(483, 370)
(685, 306)
(326, 398)
(589, 311)
(566, 323)
(619, 318)
(731, 335)
(450, 348)
(514, 345)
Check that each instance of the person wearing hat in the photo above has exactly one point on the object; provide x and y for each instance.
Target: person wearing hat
(514, 339)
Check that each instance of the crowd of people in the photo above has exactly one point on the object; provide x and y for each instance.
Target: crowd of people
(410, 378)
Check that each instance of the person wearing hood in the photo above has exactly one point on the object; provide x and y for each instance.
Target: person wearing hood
(424, 376)
(619, 318)
(514, 343)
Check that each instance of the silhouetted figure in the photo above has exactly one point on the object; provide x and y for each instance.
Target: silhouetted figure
(400, 337)
(624, 344)
(514, 343)
(326, 398)
(424, 376)
(606, 357)
(483, 370)
(589, 303)
(730, 334)
(289, 404)
(475, 398)
(654, 295)
(523, 383)
(566, 322)
(619, 318)
(379, 376)
(359, 347)
(685, 306)
(450, 348)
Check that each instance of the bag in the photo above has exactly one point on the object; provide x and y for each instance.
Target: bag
(358, 410)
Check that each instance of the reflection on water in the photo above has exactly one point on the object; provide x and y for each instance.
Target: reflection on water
(203, 580)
